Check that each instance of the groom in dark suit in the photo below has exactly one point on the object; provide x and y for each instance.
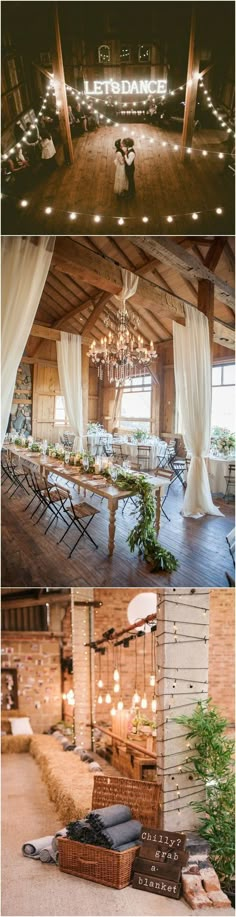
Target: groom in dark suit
(129, 155)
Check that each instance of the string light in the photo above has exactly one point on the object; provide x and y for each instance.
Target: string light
(24, 203)
(113, 711)
(116, 675)
(48, 210)
(100, 700)
(116, 687)
(120, 705)
(154, 704)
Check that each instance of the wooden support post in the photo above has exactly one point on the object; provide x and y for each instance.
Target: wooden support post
(206, 305)
(85, 384)
(60, 89)
(191, 89)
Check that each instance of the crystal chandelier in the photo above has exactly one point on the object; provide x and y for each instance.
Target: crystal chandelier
(122, 350)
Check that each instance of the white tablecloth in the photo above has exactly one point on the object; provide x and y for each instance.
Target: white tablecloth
(218, 469)
(157, 449)
(96, 439)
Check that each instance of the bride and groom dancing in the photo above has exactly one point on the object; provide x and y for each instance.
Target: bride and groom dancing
(124, 165)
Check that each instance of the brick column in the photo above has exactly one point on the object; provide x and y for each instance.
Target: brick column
(182, 680)
(81, 665)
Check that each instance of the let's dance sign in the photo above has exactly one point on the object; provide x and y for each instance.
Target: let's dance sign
(125, 87)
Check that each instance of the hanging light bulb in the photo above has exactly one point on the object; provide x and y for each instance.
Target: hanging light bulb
(100, 701)
(100, 683)
(116, 675)
(116, 687)
(144, 702)
(152, 681)
(135, 699)
(108, 698)
(154, 705)
(113, 711)
(120, 705)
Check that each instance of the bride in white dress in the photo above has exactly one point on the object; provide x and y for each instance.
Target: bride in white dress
(121, 181)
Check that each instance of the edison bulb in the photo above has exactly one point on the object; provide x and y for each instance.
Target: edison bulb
(120, 705)
(152, 681)
(108, 698)
(116, 687)
(116, 675)
(100, 699)
(100, 683)
(136, 698)
(113, 711)
(144, 702)
(154, 705)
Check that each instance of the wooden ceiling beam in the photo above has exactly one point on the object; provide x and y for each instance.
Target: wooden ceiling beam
(185, 263)
(224, 335)
(73, 313)
(50, 598)
(214, 253)
(44, 331)
(101, 272)
(98, 309)
(230, 255)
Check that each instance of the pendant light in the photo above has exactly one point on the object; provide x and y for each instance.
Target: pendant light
(108, 696)
(116, 674)
(136, 697)
(144, 698)
(152, 680)
(100, 681)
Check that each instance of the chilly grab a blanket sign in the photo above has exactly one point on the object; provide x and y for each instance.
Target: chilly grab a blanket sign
(158, 867)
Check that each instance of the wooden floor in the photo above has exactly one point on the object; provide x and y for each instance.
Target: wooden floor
(29, 558)
(164, 186)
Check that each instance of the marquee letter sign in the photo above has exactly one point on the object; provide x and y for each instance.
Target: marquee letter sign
(125, 87)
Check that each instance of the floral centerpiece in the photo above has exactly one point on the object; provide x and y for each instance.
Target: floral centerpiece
(35, 447)
(139, 435)
(55, 451)
(141, 724)
(222, 441)
(95, 428)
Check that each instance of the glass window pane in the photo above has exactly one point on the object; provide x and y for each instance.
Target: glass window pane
(216, 375)
(229, 374)
(136, 404)
(223, 407)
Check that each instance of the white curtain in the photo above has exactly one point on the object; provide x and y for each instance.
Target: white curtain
(130, 283)
(192, 366)
(69, 360)
(25, 265)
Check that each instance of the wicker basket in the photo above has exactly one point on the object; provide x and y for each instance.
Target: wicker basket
(109, 867)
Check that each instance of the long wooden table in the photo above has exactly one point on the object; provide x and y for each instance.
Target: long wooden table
(92, 483)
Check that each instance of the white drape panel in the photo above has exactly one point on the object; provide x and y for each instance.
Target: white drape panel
(69, 360)
(25, 265)
(192, 366)
(130, 283)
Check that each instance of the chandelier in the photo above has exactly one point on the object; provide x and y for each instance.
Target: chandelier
(122, 349)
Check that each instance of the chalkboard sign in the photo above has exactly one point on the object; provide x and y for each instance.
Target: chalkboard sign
(157, 869)
(158, 886)
(165, 839)
(158, 866)
(160, 855)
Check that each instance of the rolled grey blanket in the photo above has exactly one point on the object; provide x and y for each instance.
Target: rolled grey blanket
(32, 848)
(121, 834)
(126, 846)
(109, 816)
(48, 855)
(61, 833)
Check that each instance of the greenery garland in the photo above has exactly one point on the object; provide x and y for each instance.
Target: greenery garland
(143, 535)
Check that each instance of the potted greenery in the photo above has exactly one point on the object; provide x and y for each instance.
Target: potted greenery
(211, 761)
(139, 435)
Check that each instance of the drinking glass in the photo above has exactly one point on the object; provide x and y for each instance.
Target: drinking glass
(113, 473)
(85, 461)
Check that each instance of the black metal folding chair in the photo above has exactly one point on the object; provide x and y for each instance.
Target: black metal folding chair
(230, 482)
(77, 512)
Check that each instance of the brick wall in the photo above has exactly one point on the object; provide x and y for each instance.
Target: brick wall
(67, 679)
(221, 650)
(36, 657)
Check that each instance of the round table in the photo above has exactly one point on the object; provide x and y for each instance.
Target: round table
(218, 470)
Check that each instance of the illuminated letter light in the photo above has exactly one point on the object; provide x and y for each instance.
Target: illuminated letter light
(125, 87)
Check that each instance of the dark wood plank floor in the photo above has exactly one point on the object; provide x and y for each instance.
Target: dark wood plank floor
(29, 558)
(165, 186)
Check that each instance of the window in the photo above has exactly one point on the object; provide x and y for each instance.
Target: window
(59, 411)
(223, 396)
(144, 54)
(124, 53)
(104, 54)
(136, 404)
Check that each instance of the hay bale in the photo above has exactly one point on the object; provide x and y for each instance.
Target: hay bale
(15, 744)
(70, 790)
